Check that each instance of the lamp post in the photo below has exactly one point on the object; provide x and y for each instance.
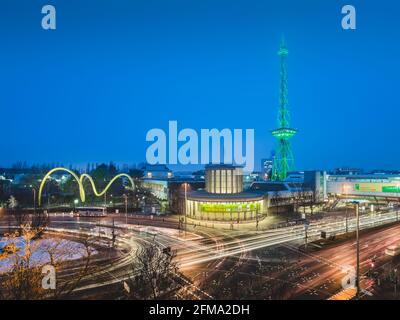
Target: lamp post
(345, 189)
(48, 195)
(185, 184)
(126, 208)
(34, 199)
(358, 248)
(306, 225)
(257, 211)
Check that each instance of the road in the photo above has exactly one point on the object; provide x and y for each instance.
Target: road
(319, 275)
(203, 253)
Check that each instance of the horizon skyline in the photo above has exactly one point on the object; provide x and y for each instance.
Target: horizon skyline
(178, 168)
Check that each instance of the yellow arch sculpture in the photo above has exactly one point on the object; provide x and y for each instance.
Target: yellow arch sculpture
(80, 180)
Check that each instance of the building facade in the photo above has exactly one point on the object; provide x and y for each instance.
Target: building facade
(372, 186)
(223, 198)
(266, 167)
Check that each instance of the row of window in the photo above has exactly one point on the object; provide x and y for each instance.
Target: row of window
(224, 181)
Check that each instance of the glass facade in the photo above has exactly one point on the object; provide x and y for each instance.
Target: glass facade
(225, 211)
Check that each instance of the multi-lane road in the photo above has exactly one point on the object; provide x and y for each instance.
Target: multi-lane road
(203, 253)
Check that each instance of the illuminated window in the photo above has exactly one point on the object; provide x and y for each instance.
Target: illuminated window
(212, 180)
(223, 181)
(217, 181)
(229, 181)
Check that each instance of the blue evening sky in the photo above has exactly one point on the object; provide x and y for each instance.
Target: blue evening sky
(90, 90)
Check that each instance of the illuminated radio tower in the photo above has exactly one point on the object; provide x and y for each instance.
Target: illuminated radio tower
(283, 161)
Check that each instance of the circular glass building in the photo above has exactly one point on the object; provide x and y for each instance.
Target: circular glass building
(223, 198)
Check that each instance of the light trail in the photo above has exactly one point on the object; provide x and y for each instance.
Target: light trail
(199, 253)
(211, 244)
(200, 250)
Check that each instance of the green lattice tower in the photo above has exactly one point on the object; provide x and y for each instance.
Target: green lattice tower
(284, 161)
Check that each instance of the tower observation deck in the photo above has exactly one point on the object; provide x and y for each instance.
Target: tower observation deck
(284, 161)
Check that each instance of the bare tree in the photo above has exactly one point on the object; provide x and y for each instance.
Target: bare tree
(296, 197)
(276, 197)
(20, 218)
(23, 280)
(58, 252)
(154, 274)
(313, 201)
(39, 222)
(305, 197)
(12, 203)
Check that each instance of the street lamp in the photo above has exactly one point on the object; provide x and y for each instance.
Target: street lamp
(34, 199)
(76, 201)
(306, 225)
(358, 247)
(126, 208)
(346, 187)
(186, 184)
(397, 209)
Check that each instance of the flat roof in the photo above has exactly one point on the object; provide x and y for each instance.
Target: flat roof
(222, 166)
(268, 186)
(365, 176)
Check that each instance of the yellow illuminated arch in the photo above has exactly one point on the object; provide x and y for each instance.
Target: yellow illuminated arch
(99, 194)
(48, 174)
(80, 180)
